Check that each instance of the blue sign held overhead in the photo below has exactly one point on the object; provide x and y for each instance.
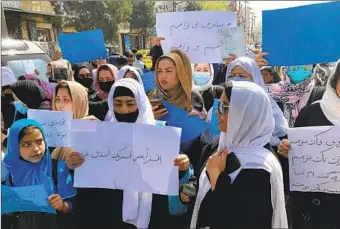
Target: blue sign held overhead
(83, 46)
(192, 127)
(23, 199)
(302, 35)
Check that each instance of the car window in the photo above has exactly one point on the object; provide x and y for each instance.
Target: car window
(23, 67)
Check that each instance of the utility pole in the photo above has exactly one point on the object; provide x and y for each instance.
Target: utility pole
(245, 16)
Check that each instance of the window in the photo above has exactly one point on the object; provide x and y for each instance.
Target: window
(44, 35)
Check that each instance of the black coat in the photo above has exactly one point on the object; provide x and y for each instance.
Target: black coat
(307, 214)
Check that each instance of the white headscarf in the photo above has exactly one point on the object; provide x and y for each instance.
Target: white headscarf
(7, 76)
(136, 205)
(250, 127)
(208, 85)
(330, 102)
(123, 70)
(249, 65)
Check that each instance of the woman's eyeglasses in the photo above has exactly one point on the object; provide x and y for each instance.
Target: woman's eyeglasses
(83, 76)
(222, 107)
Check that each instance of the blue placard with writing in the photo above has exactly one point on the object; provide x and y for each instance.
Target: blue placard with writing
(23, 199)
(302, 35)
(214, 120)
(149, 81)
(192, 127)
(83, 46)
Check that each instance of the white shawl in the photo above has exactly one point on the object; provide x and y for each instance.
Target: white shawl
(250, 127)
(136, 205)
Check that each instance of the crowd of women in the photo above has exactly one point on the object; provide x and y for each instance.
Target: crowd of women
(236, 179)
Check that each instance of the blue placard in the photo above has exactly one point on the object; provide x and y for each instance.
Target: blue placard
(23, 199)
(214, 120)
(83, 46)
(302, 35)
(149, 81)
(127, 42)
(192, 127)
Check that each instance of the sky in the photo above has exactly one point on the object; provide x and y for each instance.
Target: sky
(258, 6)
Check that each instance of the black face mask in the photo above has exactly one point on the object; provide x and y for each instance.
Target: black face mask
(86, 82)
(106, 86)
(130, 117)
(9, 97)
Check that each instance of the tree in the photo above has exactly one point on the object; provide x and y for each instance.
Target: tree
(193, 6)
(215, 5)
(88, 15)
(143, 16)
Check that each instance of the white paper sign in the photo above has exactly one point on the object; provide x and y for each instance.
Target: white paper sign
(194, 32)
(29, 66)
(314, 162)
(126, 156)
(56, 126)
(232, 41)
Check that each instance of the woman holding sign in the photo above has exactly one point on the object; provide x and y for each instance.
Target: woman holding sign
(129, 103)
(314, 210)
(69, 96)
(30, 165)
(241, 185)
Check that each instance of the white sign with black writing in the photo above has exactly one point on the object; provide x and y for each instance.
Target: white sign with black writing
(314, 161)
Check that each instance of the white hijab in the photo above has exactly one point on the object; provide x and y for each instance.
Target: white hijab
(123, 70)
(136, 205)
(330, 102)
(250, 127)
(7, 76)
(249, 65)
(208, 85)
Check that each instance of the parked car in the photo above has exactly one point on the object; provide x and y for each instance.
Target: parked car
(23, 57)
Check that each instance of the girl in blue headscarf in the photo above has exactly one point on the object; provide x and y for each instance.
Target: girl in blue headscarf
(29, 163)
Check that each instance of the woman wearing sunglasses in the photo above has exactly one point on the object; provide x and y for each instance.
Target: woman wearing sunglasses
(241, 183)
(83, 75)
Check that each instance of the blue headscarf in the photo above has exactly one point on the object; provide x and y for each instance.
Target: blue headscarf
(24, 173)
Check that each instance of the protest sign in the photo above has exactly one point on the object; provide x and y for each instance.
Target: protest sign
(56, 126)
(192, 127)
(232, 41)
(23, 199)
(83, 46)
(314, 161)
(302, 35)
(131, 160)
(149, 81)
(194, 32)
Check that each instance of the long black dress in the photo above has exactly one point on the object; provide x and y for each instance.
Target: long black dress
(312, 210)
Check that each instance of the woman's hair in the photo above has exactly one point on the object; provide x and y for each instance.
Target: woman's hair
(228, 87)
(104, 67)
(26, 130)
(62, 85)
(336, 76)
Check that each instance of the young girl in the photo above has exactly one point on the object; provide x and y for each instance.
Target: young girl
(28, 162)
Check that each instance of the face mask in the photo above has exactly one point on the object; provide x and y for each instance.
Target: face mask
(20, 107)
(129, 117)
(106, 86)
(9, 97)
(86, 82)
(238, 78)
(201, 78)
(298, 74)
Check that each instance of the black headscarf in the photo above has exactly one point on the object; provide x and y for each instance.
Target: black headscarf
(92, 92)
(31, 94)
